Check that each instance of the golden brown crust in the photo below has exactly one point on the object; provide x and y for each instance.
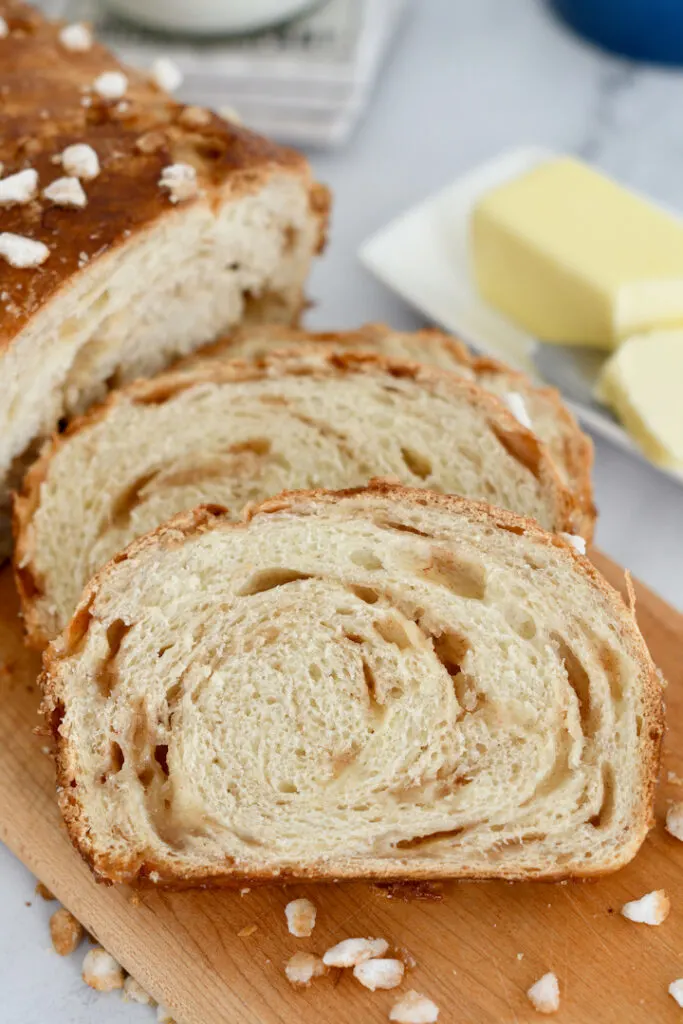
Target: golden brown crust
(578, 449)
(142, 871)
(43, 89)
(329, 363)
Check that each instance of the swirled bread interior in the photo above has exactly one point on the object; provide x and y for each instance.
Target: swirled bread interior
(234, 433)
(381, 683)
(550, 418)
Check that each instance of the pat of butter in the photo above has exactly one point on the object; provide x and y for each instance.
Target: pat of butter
(573, 257)
(642, 382)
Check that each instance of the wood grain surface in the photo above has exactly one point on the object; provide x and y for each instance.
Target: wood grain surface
(477, 949)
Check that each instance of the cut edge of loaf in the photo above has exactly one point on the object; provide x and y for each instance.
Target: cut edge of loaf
(206, 518)
(565, 513)
(578, 452)
(129, 286)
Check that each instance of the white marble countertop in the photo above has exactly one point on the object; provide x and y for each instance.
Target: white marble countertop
(465, 81)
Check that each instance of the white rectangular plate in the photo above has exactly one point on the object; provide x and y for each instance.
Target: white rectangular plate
(423, 255)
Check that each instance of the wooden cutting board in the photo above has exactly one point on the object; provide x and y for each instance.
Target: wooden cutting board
(217, 957)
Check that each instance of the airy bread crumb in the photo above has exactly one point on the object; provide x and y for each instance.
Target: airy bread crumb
(653, 908)
(66, 932)
(676, 990)
(544, 994)
(414, 1008)
(134, 992)
(351, 952)
(302, 967)
(101, 971)
(379, 973)
(674, 821)
(300, 916)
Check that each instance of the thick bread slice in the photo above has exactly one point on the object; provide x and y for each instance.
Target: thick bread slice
(382, 683)
(555, 425)
(239, 432)
(134, 279)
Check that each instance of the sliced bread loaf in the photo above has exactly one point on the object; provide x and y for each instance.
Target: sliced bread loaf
(133, 229)
(239, 432)
(381, 683)
(547, 414)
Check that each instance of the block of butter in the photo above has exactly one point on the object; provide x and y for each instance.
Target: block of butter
(642, 382)
(574, 258)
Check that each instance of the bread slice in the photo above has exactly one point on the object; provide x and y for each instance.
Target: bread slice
(382, 683)
(239, 432)
(141, 274)
(551, 420)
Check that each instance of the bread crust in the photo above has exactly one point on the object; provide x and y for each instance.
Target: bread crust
(566, 511)
(142, 870)
(578, 449)
(44, 88)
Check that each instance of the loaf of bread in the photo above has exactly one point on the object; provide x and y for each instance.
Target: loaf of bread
(382, 683)
(239, 432)
(132, 229)
(548, 416)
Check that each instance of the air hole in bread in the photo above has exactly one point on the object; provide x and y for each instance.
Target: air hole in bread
(370, 683)
(578, 679)
(28, 582)
(269, 579)
(610, 663)
(79, 626)
(395, 632)
(315, 673)
(427, 840)
(355, 638)
(366, 559)
(158, 394)
(116, 632)
(464, 579)
(513, 844)
(107, 677)
(257, 445)
(172, 693)
(510, 528)
(56, 716)
(161, 756)
(116, 762)
(290, 237)
(390, 524)
(451, 649)
(366, 594)
(162, 650)
(523, 447)
(287, 787)
(522, 625)
(418, 464)
(604, 815)
(127, 501)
